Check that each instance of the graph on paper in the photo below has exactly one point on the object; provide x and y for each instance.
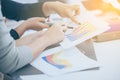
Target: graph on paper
(56, 61)
(83, 30)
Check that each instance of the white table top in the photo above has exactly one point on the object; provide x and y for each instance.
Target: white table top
(108, 55)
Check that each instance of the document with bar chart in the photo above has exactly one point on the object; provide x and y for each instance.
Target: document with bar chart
(89, 27)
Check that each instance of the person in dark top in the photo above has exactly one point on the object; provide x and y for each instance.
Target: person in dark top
(18, 11)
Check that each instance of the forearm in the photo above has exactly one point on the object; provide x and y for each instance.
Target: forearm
(21, 29)
(52, 36)
(48, 8)
(12, 57)
(29, 38)
(39, 45)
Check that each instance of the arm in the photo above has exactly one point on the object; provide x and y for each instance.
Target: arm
(14, 57)
(64, 10)
(29, 38)
(41, 40)
(19, 11)
(35, 23)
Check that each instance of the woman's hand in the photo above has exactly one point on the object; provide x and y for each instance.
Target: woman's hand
(29, 38)
(54, 34)
(64, 10)
(35, 23)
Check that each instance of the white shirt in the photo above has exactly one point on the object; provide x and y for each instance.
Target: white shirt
(12, 57)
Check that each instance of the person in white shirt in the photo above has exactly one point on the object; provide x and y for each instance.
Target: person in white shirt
(16, 54)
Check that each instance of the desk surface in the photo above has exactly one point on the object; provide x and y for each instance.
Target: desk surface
(108, 55)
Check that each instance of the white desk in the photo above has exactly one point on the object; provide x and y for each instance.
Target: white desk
(108, 55)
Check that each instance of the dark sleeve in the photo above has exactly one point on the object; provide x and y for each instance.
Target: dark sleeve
(19, 11)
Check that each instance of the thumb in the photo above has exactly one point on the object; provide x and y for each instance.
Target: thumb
(76, 8)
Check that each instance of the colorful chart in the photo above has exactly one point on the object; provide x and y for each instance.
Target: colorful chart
(84, 29)
(56, 61)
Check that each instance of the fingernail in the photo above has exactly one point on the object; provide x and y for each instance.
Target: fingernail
(79, 23)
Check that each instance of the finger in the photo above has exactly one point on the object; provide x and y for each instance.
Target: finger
(59, 23)
(64, 28)
(73, 18)
(42, 25)
(61, 26)
(41, 19)
(77, 12)
(76, 8)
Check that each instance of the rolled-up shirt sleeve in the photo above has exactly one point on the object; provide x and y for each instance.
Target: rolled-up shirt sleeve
(12, 58)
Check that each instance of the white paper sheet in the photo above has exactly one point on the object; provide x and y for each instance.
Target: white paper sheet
(57, 61)
(90, 27)
(36, 77)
